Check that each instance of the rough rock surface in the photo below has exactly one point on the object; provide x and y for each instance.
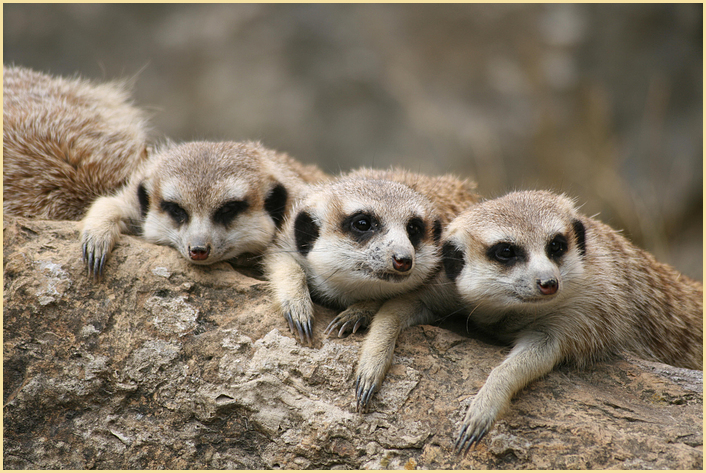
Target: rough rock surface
(167, 365)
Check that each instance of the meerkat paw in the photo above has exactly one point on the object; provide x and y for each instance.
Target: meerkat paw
(300, 317)
(95, 248)
(355, 316)
(368, 382)
(106, 219)
(475, 426)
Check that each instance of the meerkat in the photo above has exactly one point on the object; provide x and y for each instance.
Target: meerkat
(66, 142)
(353, 243)
(562, 287)
(211, 201)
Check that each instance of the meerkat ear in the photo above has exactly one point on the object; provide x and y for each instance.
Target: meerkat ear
(453, 260)
(276, 203)
(306, 231)
(144, 199)
(436, 232)
(580, 233)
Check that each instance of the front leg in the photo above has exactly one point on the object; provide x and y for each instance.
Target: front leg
(355, 316)
(376, 354)
(533, 356)
(289, 287)
(105, 220)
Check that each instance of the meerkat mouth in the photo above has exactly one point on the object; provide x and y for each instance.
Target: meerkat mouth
(535, 300)
(383, 275)
(390, 277)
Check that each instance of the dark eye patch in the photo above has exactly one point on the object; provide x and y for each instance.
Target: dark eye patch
(228, 211)
(175, 211)
(362, 226)
(557, 247)
(306, 231)
(453, 260)
(416, 230)
(505, 253)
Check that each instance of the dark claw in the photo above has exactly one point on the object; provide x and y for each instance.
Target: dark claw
(459, 439)
(368, 394)
(308, 332)
(337, 324)
(288, 318)
(358, 393)
(332, 326)
(90, 263)
(471, 442)
(94, 266)
(102, 265)
(371, 391)
(465, 442)
(363, 395)
(303, 330)
(343, 328)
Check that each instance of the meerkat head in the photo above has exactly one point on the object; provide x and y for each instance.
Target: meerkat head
(360, 238)
(515, 252)
(211, 201)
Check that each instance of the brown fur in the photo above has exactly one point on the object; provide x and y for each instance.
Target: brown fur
(387, 318)
(332, 271)
(201, 180)
(610, 296)
(65, 143)
(448, 193)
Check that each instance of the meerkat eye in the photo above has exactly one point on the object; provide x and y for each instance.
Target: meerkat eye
(505, 253)
(557, 247)
(228, 211)
(360, 225)
(175, 211)
(415, 230)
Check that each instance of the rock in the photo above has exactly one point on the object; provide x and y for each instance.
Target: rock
(164, 364)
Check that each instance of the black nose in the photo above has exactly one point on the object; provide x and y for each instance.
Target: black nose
(199, 253)
(402, 264)
(548, 286)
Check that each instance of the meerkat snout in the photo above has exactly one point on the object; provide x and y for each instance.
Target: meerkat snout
(402, 263)
(548, 286)
(547, 278)
(199, 253)
(401, 253)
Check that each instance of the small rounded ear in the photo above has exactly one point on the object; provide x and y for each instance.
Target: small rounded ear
(580, 235)
(276, 203)
(144, 199)
(453, 260)
(437, 230)
(306, 231)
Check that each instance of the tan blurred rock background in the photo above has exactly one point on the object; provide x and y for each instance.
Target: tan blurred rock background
(603, 102)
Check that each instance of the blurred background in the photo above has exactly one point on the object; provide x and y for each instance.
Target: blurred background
(603, 102)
